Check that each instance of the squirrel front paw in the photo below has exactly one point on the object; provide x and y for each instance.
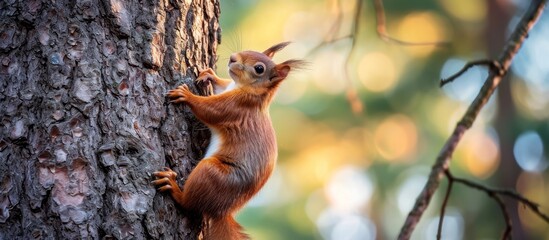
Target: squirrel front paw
(179, 94)
(165, 180)
(206, 80)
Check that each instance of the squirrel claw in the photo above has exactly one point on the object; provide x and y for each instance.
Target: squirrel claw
(179, 100)
(165, 180)
(206, 71)
(179, 94)
(206, 80)
(167, 173)
(164, 188)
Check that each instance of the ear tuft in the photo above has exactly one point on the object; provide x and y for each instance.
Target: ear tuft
(272, 50)
(295, 64)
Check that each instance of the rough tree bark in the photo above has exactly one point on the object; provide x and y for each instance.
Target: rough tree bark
(84, 120)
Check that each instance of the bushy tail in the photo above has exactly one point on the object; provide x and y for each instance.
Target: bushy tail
(224, 228)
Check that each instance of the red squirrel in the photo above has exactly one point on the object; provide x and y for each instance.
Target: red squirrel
(242, 152)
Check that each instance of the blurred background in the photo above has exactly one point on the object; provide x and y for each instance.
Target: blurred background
(355, 175)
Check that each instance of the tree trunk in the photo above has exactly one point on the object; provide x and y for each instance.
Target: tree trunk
(84, 120)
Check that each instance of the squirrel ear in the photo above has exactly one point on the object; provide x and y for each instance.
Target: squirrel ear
(281, 72)
(272, 50)
(282, 69)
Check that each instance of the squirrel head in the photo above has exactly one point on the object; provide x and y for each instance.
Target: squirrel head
(257, 69)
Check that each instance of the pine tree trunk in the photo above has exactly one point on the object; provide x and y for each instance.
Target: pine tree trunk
(84, 119)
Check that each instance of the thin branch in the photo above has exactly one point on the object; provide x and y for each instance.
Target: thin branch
(330, 38)
(508, 193)
(443, 207)
(327, 42)
(337, 23)
(505, 212)
(354, 33)
(380, 28)
(443, 160)
(508, 226)
(494, 66)
(332, 33)
(352, 97)
(494, 194)
(384, 35)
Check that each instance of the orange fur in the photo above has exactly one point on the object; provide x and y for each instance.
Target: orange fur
(222, 183)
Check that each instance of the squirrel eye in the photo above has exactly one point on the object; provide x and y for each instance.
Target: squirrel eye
(259, 68)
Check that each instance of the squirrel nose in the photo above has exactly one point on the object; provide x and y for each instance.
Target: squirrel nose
(232, 59)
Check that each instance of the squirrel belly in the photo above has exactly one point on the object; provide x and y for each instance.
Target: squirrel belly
(215, 143)
(215, 140)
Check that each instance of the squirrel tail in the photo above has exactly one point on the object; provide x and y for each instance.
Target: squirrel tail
(224, 227)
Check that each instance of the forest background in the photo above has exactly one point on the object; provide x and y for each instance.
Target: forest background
(344, 172)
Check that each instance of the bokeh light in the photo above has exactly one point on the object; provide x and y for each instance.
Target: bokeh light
(396, 138)
(334, 225)
(480, 152)
(377, 72)
(422, 27)
(327, 71)
(528, 152)
(349, 189)
(354, 228)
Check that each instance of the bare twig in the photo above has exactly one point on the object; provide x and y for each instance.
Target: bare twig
(494, 66)
(327, 42)
(494, 194)
(352, 96)
(381, 28)
(356, 104)
(331, 36)
(384, 35)
(508, 193)
(337, 23)
(443, 207)
(508, 225)
(441, 164)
